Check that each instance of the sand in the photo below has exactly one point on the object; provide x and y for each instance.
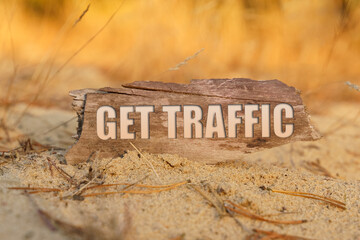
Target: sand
(328, 167)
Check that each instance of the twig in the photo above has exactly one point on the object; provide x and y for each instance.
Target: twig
(218, 198)
(176, 67)
(85, 187)
(130, 184)
(36, 189)
(262, 235)
(82, 15)
(278, 214)
(242, 211)
(41, 191)
(62, 172)
(149, 163)
(138, 191)
(136, 183)
(313, 196)
(77, 192)
(221, 211)
(179, 65)
(50, 169)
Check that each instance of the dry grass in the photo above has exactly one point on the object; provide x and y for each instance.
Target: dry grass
(310, 45)
(151, 40)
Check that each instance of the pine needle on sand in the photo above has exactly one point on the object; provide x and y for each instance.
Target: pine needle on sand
(175, 185)
(331, 201)
(267, 235)
(242, 211)
(147, 161)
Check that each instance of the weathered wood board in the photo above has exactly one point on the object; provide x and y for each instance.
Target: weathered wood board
(199, 92)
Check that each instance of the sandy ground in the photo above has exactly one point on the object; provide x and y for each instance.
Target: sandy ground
(328, 167)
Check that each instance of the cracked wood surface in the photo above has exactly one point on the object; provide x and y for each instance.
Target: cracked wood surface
(198, 92)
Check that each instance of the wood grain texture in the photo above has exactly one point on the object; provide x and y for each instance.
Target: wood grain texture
(198, 92)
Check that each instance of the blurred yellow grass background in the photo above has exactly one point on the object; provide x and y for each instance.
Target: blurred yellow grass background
(311, 45)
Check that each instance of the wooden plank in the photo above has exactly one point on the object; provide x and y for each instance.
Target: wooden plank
(202, 93)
